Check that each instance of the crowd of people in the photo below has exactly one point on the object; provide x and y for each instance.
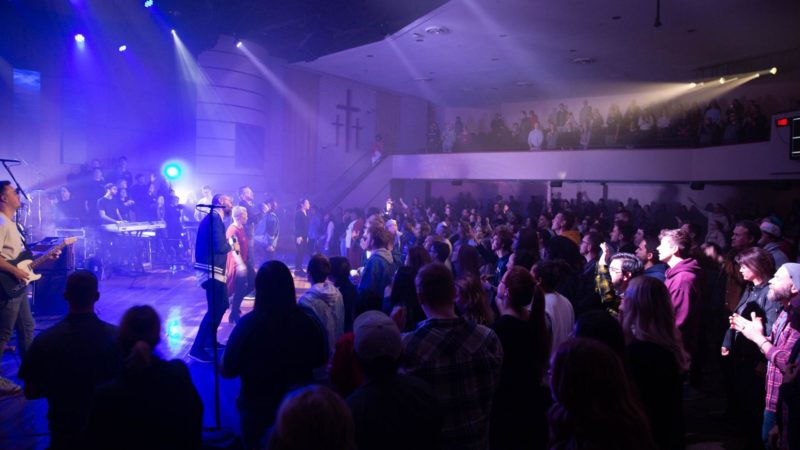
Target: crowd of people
(566, 324)
(663, 124)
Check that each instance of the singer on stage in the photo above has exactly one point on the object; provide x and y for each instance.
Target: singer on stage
(211, 254)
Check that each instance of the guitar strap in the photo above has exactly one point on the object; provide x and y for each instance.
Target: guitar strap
(22, 236)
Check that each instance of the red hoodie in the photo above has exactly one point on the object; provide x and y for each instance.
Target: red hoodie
(684, 283)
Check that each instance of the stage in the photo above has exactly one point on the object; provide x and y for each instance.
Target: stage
(181, 305)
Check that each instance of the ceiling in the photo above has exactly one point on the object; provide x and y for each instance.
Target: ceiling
(505, 50)
(494, 51)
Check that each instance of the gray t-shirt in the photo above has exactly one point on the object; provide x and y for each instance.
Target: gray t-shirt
(10, 239)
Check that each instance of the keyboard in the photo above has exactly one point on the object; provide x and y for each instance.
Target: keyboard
(128, 227)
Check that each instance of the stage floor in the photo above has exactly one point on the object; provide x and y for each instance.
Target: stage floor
(181, 305)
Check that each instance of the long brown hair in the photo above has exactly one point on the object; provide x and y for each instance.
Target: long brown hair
(649, 316)
(471, 300)
(759, 261)
(597, 411)
(524, 293)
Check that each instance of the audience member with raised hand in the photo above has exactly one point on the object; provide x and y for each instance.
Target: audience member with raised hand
(519, 418)
(656, 358)
(460, 359)
(153, 403)
(787, 431)
(66, 362)
(273, 349)
(778, 347)
(597, 412)
(390, 410)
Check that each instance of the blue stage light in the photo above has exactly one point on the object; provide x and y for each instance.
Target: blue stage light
(80, 39)
(148, 3)
(172, 171)
(123, 47)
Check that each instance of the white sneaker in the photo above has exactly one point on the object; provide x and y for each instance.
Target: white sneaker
(8, 387)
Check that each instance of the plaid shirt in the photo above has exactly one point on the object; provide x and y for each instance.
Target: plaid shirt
(602, 284)
(783, 339)
(461, 360)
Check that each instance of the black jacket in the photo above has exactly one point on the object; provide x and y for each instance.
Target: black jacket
(210, 250)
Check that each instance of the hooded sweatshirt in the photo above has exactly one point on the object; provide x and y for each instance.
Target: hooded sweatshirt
(378, 273)
(572, 235)
(684, 283)
(325, 300)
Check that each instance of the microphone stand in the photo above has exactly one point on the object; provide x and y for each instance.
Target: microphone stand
(218, 435)
(21, 191)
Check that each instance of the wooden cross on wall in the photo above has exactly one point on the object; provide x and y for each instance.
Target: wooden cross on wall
(348, 108)
(338, 124)
(358, 128)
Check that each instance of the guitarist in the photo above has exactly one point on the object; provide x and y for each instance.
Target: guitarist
(14, 312)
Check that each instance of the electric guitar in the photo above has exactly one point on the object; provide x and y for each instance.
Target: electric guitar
(10, 286)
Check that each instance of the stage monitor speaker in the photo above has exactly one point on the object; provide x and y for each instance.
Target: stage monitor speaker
(48, 293)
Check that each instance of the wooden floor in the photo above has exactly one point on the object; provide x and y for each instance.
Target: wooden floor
(181, 305)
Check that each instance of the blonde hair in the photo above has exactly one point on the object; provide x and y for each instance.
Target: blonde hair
(238, 211)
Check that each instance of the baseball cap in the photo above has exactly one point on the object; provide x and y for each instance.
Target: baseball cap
(376, 335)
(794, 273)
(771, 228)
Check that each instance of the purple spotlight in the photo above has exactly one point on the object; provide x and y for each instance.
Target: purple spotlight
(148, 3)
(80, 39)
(122, 48)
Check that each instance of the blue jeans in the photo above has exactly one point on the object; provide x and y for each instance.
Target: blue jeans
(769, 422)
(16, 314)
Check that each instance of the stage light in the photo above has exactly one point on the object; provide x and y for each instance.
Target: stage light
(782, 122)
(80, 39)
(773, 71)
(756, 75)
(239, 44)
(148, 3)
(692, 85)
(721, 80)
(172, 171)
(173, 32)
(122, 48)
